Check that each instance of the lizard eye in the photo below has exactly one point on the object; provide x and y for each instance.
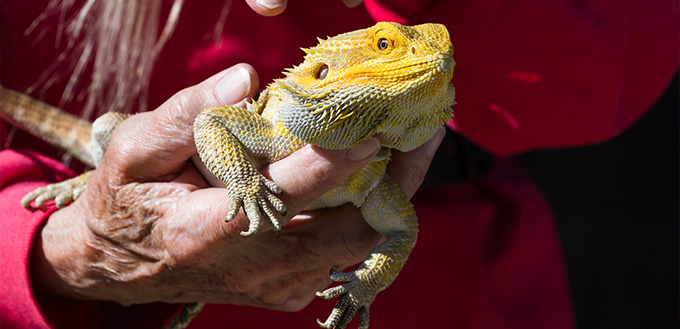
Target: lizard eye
(321, 72)
(383, 44)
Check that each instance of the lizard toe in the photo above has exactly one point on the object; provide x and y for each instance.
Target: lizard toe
(342, 313)
(356, 295)
(363, 317)
(61, 193)
(271, 185)
(265, 207)
(275, 202)
(61, 199)
(253, 213)
(333, 292)
(235, 204)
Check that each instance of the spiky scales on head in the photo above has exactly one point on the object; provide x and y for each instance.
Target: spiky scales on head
(337, 98)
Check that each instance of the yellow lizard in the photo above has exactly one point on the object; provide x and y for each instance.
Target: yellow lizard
(389, 80)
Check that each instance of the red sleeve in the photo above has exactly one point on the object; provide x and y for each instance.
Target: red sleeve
(539, 74)
(18, 306)
(20, 173)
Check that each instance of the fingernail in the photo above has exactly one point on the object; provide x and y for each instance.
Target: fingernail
(234, 86)
(364, 150)
(270, 4)
(352, 3)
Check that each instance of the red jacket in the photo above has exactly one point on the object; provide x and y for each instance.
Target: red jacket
(529, 74)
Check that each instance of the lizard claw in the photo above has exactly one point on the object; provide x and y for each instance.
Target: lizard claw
(356, 295)
(61, 193)
(344, 311)
(257, 198)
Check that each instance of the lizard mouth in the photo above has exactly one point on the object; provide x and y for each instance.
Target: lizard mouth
(435, 65)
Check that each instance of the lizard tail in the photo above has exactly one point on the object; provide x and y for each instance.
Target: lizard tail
(47, 122)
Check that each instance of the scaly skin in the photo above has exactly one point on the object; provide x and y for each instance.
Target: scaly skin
(388, 80)
(47, 122)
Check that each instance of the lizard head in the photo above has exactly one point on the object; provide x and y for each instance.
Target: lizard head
(389, 79)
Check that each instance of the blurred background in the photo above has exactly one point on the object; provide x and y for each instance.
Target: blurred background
(618, 207)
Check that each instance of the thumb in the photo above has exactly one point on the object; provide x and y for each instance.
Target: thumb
(267, 7)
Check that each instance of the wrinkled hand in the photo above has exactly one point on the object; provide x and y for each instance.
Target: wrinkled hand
(149, 227)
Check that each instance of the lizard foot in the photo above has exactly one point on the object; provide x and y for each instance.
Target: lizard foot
(188, 313)
(61, 192)
(357, 293)
(257, 197)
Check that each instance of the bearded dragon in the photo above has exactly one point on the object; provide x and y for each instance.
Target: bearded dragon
(389, 80)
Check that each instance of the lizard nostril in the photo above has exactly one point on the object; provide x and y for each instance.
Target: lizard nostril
(413, 50)
(321, 72)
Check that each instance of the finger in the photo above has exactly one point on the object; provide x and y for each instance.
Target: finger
(409, 169)
(289, 292)
(320, 239)
(312, 171)
(352, 3)
(335, 236)
(303, 176)
(267, 7)
(156, 144)
(293, 291)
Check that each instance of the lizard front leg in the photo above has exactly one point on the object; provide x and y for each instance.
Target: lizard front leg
(388, 211)
(228, 139)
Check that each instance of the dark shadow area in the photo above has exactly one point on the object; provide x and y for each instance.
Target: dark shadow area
(617, 207)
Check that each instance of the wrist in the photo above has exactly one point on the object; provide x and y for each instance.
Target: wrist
(59, 255)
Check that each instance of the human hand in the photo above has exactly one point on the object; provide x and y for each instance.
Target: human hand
(275, 7)
(149, 228)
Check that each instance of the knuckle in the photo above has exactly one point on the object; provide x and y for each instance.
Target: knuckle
(124, 217)
(409, 176)
(326, 178)
(296, 302)
(293, 292)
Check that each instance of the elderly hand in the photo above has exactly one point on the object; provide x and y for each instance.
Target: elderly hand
(149, 228)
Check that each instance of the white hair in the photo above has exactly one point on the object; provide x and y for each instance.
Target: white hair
(118, 41)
